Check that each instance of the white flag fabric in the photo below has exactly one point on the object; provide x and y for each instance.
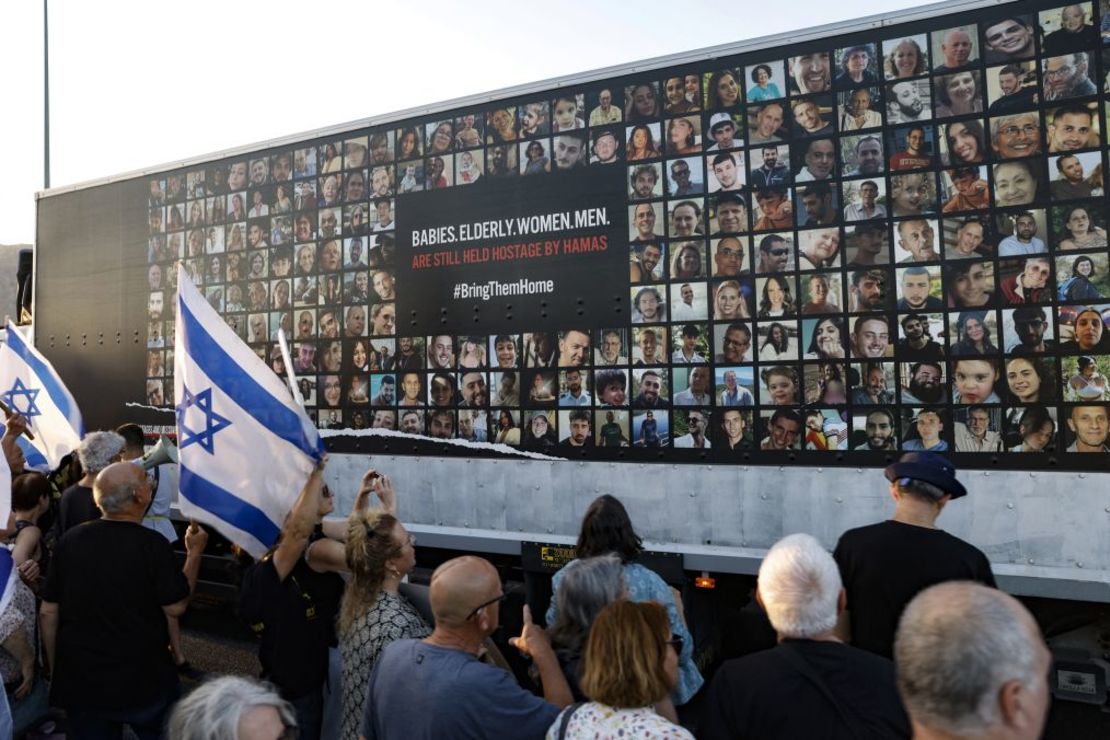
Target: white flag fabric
(246, 448)
(5, 492)
(30, 386)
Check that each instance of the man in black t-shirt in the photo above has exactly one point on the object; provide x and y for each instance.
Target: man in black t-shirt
(110, 586)
(885, 565)
(290, 599)
(811, 684)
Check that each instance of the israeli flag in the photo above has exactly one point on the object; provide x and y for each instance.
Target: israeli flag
(30, 386)
(246, 448)
(8, 575)
(5, 492)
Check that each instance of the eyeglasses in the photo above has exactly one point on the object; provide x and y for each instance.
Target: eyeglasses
(484, 604)
(726, 252)
(1028, 129)
(1061, 72)
(676, 642)
(780, 252)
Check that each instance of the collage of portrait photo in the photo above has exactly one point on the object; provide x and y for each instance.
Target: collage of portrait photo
(891, 240)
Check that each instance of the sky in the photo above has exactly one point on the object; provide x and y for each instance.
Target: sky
(139, 83)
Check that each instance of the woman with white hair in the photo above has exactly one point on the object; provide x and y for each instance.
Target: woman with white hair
(232, 708)
(97, 451)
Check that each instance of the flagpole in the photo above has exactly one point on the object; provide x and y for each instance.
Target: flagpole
(8, 413)
(289, 374)
(45, 95)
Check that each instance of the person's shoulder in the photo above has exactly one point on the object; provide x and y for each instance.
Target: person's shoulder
(399, 649)
(745, 678)
(146, 536)
(480, 683)
(963, 547)
(260, 575)
(644, 579)
(114, 529)
(861, 661)
(863, 535)
(75, 491)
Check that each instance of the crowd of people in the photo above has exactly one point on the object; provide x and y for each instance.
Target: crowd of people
(899, 632)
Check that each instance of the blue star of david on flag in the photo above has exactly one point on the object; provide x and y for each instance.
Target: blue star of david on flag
(213, 422)
(269, 437)
(18, 388)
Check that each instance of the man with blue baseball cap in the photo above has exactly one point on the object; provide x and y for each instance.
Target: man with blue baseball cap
(885, 565)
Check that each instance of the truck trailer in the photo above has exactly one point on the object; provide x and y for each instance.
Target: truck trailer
(727, 286)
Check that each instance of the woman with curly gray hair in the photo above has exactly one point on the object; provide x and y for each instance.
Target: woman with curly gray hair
(232, 708)
(588, 586)
(97, 451)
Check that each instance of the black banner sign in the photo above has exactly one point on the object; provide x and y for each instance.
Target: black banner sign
(505, 253)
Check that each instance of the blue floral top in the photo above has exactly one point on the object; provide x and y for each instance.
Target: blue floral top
(757, 93)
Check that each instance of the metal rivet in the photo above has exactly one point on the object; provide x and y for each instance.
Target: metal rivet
(1030, 561)
(1078, 564)
(1010, 505)
(839, 499)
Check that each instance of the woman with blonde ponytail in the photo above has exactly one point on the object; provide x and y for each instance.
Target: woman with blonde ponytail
(373, 614)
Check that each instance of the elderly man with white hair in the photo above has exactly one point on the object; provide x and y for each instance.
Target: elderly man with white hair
(97, 451)
(971, 663)
(811, 684)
